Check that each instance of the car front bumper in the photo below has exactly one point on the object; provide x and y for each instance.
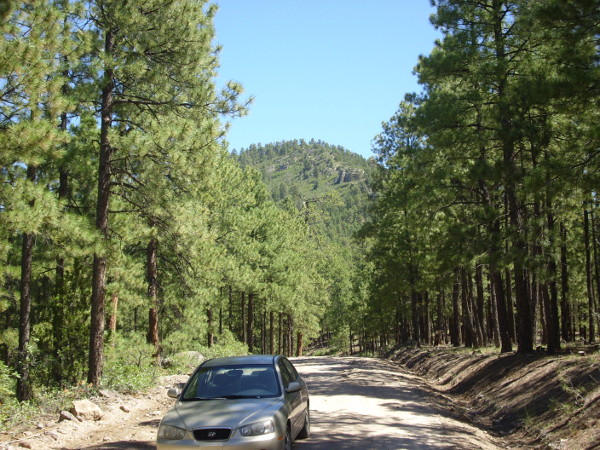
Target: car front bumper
(266, 442)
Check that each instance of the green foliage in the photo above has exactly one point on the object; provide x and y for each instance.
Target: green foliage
(7, 379)
(329, 180)
(483, 168)
(225, 345)
(130, 366)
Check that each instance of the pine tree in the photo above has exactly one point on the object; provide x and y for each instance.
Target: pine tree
(158, 63)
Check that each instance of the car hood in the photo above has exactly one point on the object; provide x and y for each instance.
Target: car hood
(221, 413)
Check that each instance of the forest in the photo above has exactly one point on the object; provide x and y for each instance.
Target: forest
(485, 228)
(130, 232)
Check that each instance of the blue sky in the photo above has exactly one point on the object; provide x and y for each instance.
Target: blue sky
(332, 70)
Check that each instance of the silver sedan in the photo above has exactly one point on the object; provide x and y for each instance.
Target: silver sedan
(245, 402)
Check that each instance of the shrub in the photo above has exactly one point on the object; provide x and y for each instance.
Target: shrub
(129, 364)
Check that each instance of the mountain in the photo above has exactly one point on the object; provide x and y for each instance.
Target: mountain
(329, 183)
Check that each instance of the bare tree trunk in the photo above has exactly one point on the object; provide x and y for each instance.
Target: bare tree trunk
(510, 311)
(589, 278)
(440, 327)
(475, 313)
(515, 208)
(263, 330)
(152, 278)
(492, 314)
(290, 335)
(221, 321)
(455, 321)
(230, 315)
(280, 348)
(24, 389)
(502, 312)
(480, 304)
(112, 320)
(210, 335)
(300, 344)
(250, 322)
(96, 348)
(470, 337)
(243, 318)
(271, 332)
(596, 263)
(552, 319)
(426, 328)
(565, 309)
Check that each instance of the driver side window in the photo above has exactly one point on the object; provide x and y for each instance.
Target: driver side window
(286, 376)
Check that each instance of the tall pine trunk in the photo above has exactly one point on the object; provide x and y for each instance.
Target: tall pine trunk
(480, 304)
(515, 215)
(24, 389)
(551, 308)
(565, 306)
(591, 335)
(96, 348)
(250, 322)
(58, 319)
(152, 278)
(596, 262)
(271, 332)
(455, 320)
(469, 337)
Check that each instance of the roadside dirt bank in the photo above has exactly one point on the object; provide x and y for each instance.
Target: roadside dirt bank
(532, 401)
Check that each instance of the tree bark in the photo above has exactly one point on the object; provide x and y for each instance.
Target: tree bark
(210, 335)
(591, 335)
(112, 320)
(469, 338)
(271, 332)
(501, 310)
(243, 317)
(96, 348)
(596, 263)
(280, 335)
(440, 329)
(24, 389)
(507, 140)
(510, 310)
(552, 319)
(300, 344)
(455, 321)
(250, 322)
(565, 306)
(480, 304)
(152, 278)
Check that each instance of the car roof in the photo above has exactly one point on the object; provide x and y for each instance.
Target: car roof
(240, 360)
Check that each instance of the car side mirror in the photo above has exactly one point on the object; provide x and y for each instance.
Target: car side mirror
(294, 386)
(174, 392)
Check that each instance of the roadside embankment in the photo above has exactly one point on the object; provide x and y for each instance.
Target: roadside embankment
(534, 401)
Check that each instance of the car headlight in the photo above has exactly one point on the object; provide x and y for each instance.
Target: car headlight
(170, 432)
(258, 428)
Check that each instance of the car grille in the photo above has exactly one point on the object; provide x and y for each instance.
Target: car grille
(212, 434)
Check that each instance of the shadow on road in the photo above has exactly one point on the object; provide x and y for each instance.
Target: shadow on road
(362, 403)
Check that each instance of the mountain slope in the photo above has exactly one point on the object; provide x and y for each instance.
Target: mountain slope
(328, 183)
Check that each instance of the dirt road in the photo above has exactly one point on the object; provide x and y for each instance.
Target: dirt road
(364, 403)
(356, 403)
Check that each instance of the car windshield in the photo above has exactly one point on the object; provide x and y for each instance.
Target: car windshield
(232, 382)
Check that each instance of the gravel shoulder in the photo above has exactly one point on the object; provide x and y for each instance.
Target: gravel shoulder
(356, 403)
